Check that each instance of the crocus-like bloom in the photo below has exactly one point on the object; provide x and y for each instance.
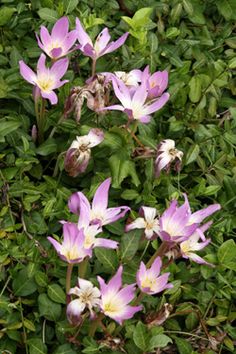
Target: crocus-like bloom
(166, 154)
(72, 248)
(192, 244)
(177, 224)
(59, 43)
(149, 222)
(115, 299)
(150, 281)
(99, 213)
(88, 297)
(90, 231)
(78, 155)
(132, 78)
(156, 83)
(101, 45)
(134, 101)
(47, 79)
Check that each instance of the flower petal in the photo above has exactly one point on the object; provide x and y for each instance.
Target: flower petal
(27, 73)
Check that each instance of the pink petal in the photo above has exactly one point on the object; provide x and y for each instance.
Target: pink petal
(27, 73)
(55, 244)
(158, 104)
(139, 223)
(199, 215)
(115, 45)
(59, 68)
(70, 40)
(156, 266)
(51, 96)
(45, 36)
(127, 294)
(60, 29)
(56, 53)
(101, 41)
(76, 201)
(114, 214)
(122, 92)
(116, 281)
(82, 36)
(100, 199)
(105, 243)
(140, 94)
(41, 67)
(95, 136)
(127, 313)
(115, 107)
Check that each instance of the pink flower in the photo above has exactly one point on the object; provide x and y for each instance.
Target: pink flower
(177, 224)
(90, 231)
(72, 249)
(150, 281)
(166, 154)
(59, 43)
(101, 45)
(133, 102)
(99, 212)
(192, 244)
(156, 83)
(47, 79)
(115, 299)
(78, 154)
(149, 222)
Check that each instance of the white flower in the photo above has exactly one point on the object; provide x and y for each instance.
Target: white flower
(148, 222)
(88, 297)
(166, 154)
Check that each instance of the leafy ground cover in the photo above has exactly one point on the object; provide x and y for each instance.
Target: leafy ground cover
(195, 42)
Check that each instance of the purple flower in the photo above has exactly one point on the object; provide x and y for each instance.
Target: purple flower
(156, 83)
(90, 231)
(192, 244)
(88, 296)
(59, 43)
(101, 45)
(150, 281)
(133, 102)
(47, 79)
(177, 224)
(78, 155)
(130, 79)
(72, 249)
(115, 299)
(99, 213)
(149, 222)
(166, 154)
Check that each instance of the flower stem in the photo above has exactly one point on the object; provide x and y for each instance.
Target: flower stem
(132, 133)
(94, 67)
(56, 126)
(41, 120)
(68, 281)
(95, 324)
(83, 267)
(159, 253)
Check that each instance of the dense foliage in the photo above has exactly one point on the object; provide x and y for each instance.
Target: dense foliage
(195, 42)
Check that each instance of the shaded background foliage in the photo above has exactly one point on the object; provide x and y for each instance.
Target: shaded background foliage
(195, 41)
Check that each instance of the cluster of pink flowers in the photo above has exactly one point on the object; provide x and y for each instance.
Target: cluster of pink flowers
(177, 227)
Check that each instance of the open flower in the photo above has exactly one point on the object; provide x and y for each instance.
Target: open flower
(149, 222)
(59, 43)
(47, 79)
(101, 45)
(166, 154)
(133, 102)
(72, 249)
(150, 281)
(78, 155)
(99, 212)
(90, 231)
(115, 299)
(177, 224)
(88, 296)
(192, 244)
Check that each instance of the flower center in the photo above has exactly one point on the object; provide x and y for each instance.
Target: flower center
(148, 282)
(46, 83)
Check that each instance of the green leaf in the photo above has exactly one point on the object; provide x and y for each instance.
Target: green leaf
(56, 293)
(23, 285)
(141, 337)
(108, 258)
(195, 89)
(64, 349)
(48, 147)
(70, 5)
(227, 8)
(49, 309)
(159, 341)
(41, 278)
(48, 15)
(183, 346)
(129, 194)
(129, 244)
(6, 14)
(227, 254)
(192, 154)
(7, 126)
(36, 346)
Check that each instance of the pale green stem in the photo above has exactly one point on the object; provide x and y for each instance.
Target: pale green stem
(94, 67)
(68, 279)
(83, 267)
(95, 324)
